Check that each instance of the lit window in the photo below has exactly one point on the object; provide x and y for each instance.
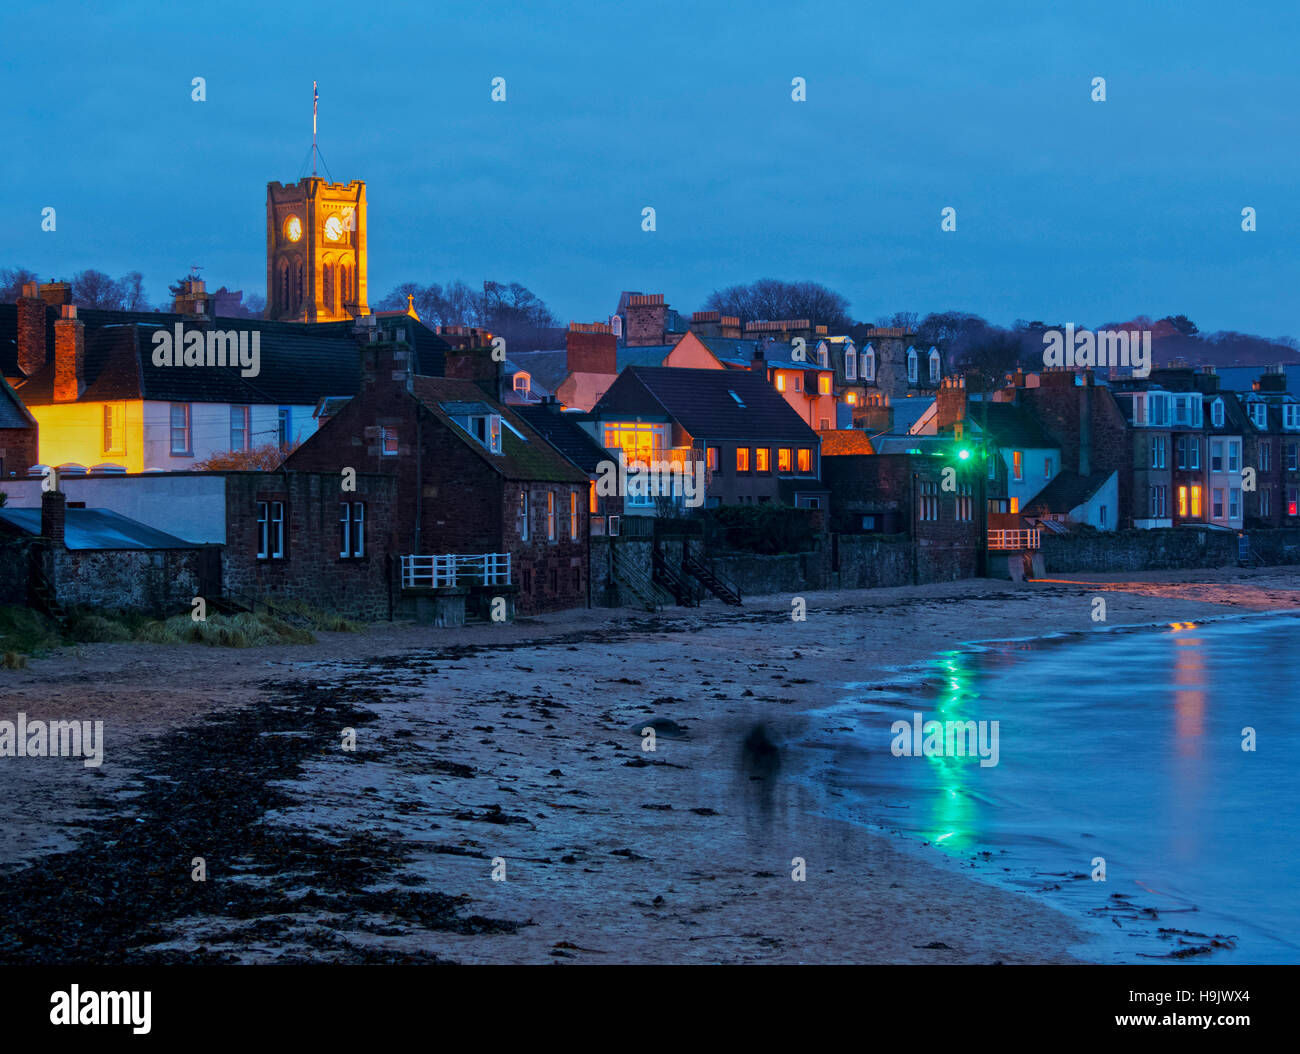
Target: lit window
(1017, 465)
(805, 461)
(780, 382)
(550, 515)
(522, 382)
(783, 459)
(763, 459)
(1015, 504)
(742, 459)
(1182, 501)
(1196, 502)
(853, 399)
(115, 428)
(711, 458)
(592, 500)
(573, 515)
(824, 384)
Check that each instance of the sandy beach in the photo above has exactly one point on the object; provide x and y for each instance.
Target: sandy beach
(518, 749)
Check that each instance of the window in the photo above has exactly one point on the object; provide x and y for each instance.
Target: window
(934, 365)
(1291, 415)
(1291, 501)
(1014, 505)
(115, 428)
(1265, 455)
(1182, 501)
(1216, 456)
(826, 424)
(1017, 464)
(555, 580)
(993, 467)
(1158, 499)
(821, 354)
(783, 460)
(522, 382)
(798, 383)
(763, 459)
(742, 459)
(869, 363)
(352, 529)
(487, 430)
(521, 519)
(181, 428)
(780, 381)
(1102, 516)
(911, 365)
(1216, 503)
(593, 502)
(1159, 448)
(550, 515)
(573, 515)
(850, 365)
(805, 461)
(1158, 408)
(527, 584)
(1259, 415)
(1264, 502)
(285, 427)
(711, 458)
(1047, 468)
(1234, 455)
(1234, 503)
(387, 442)
(824, 384)
(1182, 451)
(965, 502)
(1196, 502)
(270, 530)
(929, 501)
(852, 398)
(1216, 413)
(239, 427)
(1290, 457)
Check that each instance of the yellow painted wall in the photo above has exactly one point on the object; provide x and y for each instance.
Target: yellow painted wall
(74, 433)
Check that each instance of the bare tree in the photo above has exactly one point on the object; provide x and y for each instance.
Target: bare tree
(12, 280)
(772, 300)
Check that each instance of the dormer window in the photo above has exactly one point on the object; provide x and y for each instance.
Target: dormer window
(523, 383)
(821, 354)
(739, 401)
(1259, 414)
(1216, 413)
(869, 364)
(1290, 415)
(911, 365)
(851, 365)
(487, 430)
(934, 365)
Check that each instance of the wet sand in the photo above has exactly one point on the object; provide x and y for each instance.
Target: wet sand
(522, 745)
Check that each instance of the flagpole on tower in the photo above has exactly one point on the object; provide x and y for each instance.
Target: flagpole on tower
(315, 96)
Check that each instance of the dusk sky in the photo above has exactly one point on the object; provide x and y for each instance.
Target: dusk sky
(1067, 209)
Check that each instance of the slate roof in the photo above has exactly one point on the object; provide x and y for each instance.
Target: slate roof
(530, 458)
(96, 529)
(563, 432)
(13, 414)
(700, 401)
(645, 355)
(298, 362)
(741, 352)
(1067, 490)
(1009, 425)
(901, 444)
(547, 367)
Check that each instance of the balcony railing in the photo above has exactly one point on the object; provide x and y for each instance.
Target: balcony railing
(433, 572)
(1020, 539)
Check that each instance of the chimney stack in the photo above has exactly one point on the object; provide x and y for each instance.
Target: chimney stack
(32, 349)
(591, 347)
(56, 294)
(69, 356)
(647, 320)
(54, 513)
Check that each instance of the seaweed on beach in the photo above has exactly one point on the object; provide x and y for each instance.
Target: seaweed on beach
(205, 791)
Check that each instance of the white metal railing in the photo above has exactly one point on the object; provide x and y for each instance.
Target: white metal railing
(450, 569)
(1019, 539)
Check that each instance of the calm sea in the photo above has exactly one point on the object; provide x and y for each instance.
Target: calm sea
(1121, 745)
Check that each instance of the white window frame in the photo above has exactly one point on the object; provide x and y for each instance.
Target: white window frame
(550, 515)
(186, 428)
(573, 515)
(869, 364)
(911, 365)
(935, 366)
(850, 365)
(246, 412)
(352, 517)
(521, 516)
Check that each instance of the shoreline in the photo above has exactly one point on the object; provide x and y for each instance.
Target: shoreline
(668, 863)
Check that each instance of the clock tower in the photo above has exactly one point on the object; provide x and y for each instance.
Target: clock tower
(316, 251)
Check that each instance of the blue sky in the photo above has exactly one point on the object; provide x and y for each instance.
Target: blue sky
(1067, 209)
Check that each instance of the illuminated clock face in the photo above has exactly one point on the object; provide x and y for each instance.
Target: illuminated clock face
(293, 228)
(334, 229)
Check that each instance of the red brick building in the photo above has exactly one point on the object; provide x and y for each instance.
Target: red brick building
(19, 436)
(472, 476)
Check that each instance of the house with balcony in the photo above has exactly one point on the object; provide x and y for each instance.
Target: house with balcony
(751, 444)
